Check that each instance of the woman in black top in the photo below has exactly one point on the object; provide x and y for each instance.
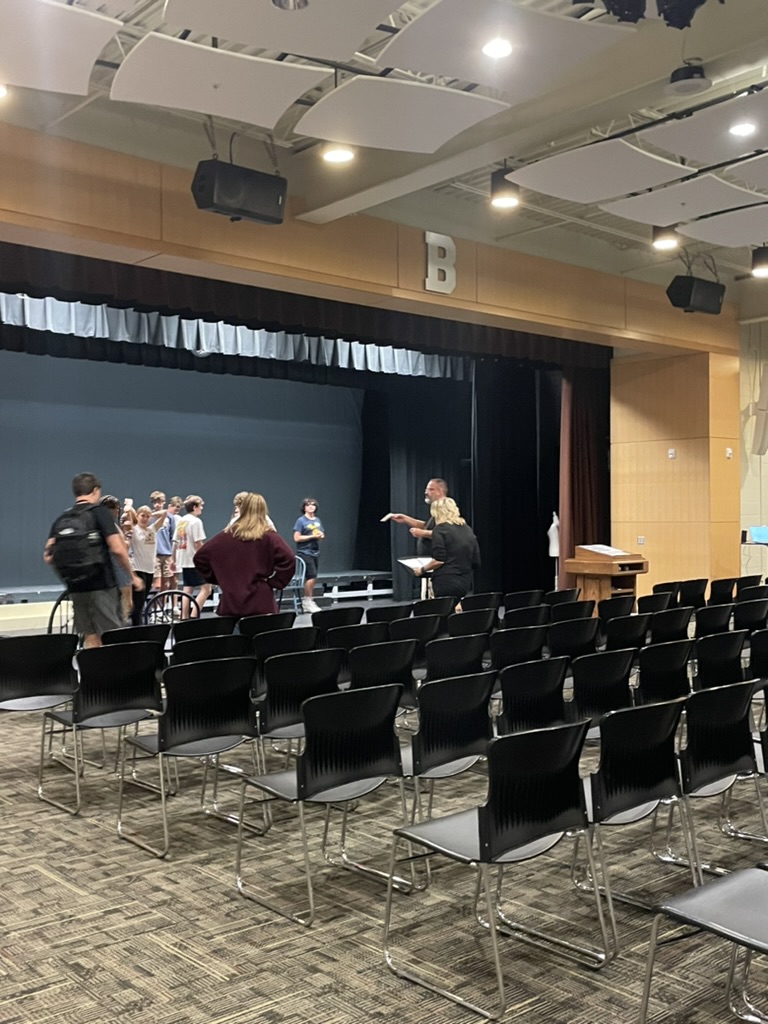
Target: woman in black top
(455, 551)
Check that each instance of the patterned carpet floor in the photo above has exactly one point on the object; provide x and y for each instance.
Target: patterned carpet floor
(94, 928)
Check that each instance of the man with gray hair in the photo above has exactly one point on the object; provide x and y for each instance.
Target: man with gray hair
(422, 528)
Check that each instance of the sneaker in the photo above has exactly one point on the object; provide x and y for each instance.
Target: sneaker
(309, 605)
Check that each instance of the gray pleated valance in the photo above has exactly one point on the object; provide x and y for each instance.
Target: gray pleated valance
(202, 338)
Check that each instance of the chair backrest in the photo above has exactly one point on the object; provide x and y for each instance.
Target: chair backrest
(382, 664)
(474, 602)
(533, 615)
(562, 596)
(332, 618)
(572, 610)
(671, 624)
(442, 606)
(118, 677)
(663, 672)
(157, 632)
(532, 694)
(421, 628)
(388, 612)
(293, 678)
(481, 620)
(347, 637)
(349, 737)
(756, 593)
(601, 682)
(716, 618)
(455, 656)
(511, 646)
(614, 608)
(718, 735)
(295, 586)
(718, 658)
(758, 654)
(692, 593)
(627, 631)
(167, 605)
(454, 720)
(669, 587)
(34, 666)
(721, 591)
(250, 625)
(637, 758)
(746, 583)
(212, 625)
(574, 638)
(284, 641)
(655, 602)
(210, 648)
(534, 788)
(207, 699)
(522, 599)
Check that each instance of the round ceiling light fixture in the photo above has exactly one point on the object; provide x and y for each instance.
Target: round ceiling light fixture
(290, 5)
(338, 154)
(665, 239)
(505, 195)
(497, 48)
(689, 80)
(760, 261)
(743, 129)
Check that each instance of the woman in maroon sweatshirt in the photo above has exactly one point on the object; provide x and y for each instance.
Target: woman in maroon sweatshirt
(248, 560)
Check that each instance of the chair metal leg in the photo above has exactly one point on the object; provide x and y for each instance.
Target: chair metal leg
(728, 828)
(214, 809)
(736, 989)
(75, 768)
(304, 918)
(649, 968)
(158, 851)
(691, 860)
(409, 973)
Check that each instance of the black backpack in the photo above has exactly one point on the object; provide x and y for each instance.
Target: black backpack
(79, 549)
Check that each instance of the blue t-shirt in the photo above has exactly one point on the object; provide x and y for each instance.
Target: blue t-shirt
(308, 528)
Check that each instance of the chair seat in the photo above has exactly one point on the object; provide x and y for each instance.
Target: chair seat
(443, 771)
(112, 720)
(287, 732)
(457, 836)
(627, 817)
(197, 748)
(38, 703)
(283, 785)
(734, 907)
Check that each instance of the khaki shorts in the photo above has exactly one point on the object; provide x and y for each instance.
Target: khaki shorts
(96, 611)
(163, 567)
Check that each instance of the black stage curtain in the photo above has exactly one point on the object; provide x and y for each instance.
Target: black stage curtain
(516, 411)
(39, 272)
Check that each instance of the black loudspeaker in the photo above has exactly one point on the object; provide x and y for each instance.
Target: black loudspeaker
(696, 294)
(240, 193)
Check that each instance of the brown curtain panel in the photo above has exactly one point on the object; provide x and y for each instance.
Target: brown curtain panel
(585, 514)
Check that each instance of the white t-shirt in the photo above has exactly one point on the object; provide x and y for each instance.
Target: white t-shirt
(143, 547)
(189, 532)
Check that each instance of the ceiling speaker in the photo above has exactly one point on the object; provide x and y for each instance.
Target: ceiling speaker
(239, 193)
(696, 294)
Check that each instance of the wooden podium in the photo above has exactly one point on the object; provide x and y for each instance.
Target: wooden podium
(600, 575)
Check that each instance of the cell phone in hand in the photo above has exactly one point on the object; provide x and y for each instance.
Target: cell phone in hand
(128, 503)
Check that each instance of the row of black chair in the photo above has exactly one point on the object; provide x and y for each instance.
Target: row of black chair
(693, 592)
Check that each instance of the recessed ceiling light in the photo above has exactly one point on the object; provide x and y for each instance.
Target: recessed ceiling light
(291, 5)
(3, 91)
(338, 154)
(497, 48)
(505, 195)
(665, 239)
(760, 262)
(742, 129)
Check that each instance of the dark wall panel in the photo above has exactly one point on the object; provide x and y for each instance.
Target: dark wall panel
(141, 428)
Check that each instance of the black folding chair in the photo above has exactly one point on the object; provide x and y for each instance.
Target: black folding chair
(532, 695)
(250, 625)
(522, 599)
(663, 672)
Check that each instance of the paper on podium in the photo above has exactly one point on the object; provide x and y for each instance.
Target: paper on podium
(603, 549)
(387, 517)
(414, 563)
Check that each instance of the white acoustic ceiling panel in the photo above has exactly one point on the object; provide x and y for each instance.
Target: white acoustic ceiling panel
(753, 173)
(686, 201)
(740, 227)
(601, 171)
(164, 72)
(51, 46)
(705, 136)
(448, 38)
(332, 29)
(365, 111)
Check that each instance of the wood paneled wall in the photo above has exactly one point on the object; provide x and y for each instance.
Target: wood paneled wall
(687, 507)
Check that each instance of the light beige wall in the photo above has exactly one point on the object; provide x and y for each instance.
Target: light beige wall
(754, 468)
(59, 194)
(685, 508)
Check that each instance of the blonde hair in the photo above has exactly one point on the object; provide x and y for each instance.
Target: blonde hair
(252, 522)
(445, 510)
(143, 508)
(238, 498)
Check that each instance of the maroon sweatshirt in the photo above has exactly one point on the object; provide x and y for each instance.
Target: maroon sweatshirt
(247, 571)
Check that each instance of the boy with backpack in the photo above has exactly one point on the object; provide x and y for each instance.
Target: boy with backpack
(78, 548)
